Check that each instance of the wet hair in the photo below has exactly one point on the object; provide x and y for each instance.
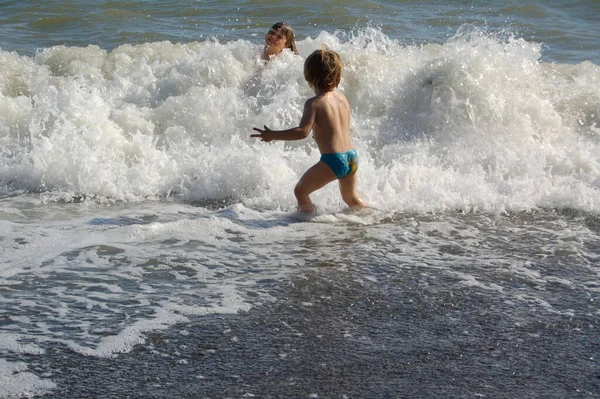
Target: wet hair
(323, 69)
(287, 30)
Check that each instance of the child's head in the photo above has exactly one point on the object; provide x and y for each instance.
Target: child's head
(285, 30)
(323, 69)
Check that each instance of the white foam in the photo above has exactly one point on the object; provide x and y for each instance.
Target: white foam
(478, 123)
(17, 382)
(99, 292)
(10, 342)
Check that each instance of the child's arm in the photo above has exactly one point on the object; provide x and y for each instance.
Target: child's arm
(296, 133)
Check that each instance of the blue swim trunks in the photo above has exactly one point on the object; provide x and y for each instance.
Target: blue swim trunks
(342, 163)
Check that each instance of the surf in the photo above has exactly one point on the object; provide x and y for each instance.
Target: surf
(477, 123)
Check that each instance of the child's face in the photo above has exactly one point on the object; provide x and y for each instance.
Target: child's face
(275, 39)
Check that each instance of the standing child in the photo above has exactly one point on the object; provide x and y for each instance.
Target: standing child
(327, 114)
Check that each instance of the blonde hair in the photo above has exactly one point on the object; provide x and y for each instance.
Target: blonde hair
(323, 69)
(290, 37)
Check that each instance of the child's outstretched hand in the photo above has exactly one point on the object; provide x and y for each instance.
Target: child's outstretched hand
(265, 134)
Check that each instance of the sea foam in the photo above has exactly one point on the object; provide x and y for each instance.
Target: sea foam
(476, 123)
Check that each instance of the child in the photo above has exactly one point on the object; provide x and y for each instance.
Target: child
(328, 115)
(279, 37)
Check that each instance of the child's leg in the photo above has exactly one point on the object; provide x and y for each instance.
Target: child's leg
(348, 190)
(313, 179)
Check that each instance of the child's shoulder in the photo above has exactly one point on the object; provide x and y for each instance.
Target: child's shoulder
(334, 97)
(327, 100)
(312, 102)
(331, 96)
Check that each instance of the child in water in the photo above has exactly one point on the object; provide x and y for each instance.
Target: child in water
(279, 37)
(327, 114)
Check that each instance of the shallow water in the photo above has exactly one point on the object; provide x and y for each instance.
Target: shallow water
(461, 297)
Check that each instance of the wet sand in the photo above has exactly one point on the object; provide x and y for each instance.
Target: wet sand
(327, 335)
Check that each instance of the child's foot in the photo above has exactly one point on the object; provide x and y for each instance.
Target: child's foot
(309, 208)
(364, 207)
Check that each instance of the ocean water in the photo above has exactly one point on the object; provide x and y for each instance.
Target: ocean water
(151, 249)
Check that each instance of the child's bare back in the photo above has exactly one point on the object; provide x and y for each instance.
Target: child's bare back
(332, 122)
